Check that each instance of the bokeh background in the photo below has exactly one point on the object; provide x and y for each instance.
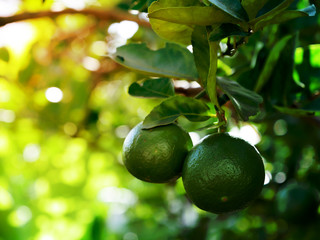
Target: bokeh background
(65, 111)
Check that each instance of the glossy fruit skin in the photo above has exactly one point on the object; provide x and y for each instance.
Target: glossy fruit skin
(297, 203)
(156, 155)
(223, 174)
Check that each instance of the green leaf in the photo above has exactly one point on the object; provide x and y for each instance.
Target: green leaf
(172, 61)
(172, 108)
(271, 13)
(201, 53)
(227, 30)
(153, 88)
(232, 7)
(252, 7)
(245, 101)
(4, 54)
(194, 15)
(271, 62)
(287, 15)
(297, 112)
(179, 33)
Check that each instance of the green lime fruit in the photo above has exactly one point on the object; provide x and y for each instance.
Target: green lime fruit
(223, 174)
(297, 203)
(156, 155)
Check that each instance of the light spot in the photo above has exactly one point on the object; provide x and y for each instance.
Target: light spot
(195, 137)
(17, 36)
(6, 200)
(91, 64)
(8, 8)
(280, 127)
(70, 128)
(117, 195)
(190, 48)
(99, 48)
(31, 152)
(247, 132)
(122, 131)
(280, 177)
(125, 29)
(7, 116)
(20, 217)
(75, 4)
(267, 178)
(134, 12)
(182, 84)
(54, 94)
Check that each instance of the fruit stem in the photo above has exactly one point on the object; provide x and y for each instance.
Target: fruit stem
(211, 84)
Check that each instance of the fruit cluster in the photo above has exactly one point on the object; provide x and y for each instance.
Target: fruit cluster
(221, 174)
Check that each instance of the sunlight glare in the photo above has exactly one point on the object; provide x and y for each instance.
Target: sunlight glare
(91, 64)
(7, 116)
(280, 177)
(267, 178)
(195, 137)
(31, 152)
(8, 8)
(17, 36)
(247, 132)
(125, 29)
(54, 94)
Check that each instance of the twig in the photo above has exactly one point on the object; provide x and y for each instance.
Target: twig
(111, 14)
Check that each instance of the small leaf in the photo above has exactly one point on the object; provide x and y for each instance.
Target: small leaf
(172, 108)
(201, 53)
(252, 7)
(232, 7)
(172, 61)
(286, 16)
(297, 112)
(153, 88)
(203, 16)
(227, 30)
(245, 101)
(270, 63)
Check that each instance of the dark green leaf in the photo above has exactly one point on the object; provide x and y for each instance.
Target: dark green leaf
(246, 102)
(271, 13)
(153, 88)
(226, 30)
(252, 7)
(4, 54)
(232, 7)
(179, 33)
(171, 61)
(286, 16)
(172, 108)
(297, 112)
(271, 62)
(196, 15)
(201, 53)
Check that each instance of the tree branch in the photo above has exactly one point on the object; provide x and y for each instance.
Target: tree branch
(111, 14)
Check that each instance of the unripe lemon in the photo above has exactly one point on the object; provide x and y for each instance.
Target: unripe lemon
(223, 174)
(156, 155)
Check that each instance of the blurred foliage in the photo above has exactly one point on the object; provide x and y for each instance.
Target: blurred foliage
(61, 171)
